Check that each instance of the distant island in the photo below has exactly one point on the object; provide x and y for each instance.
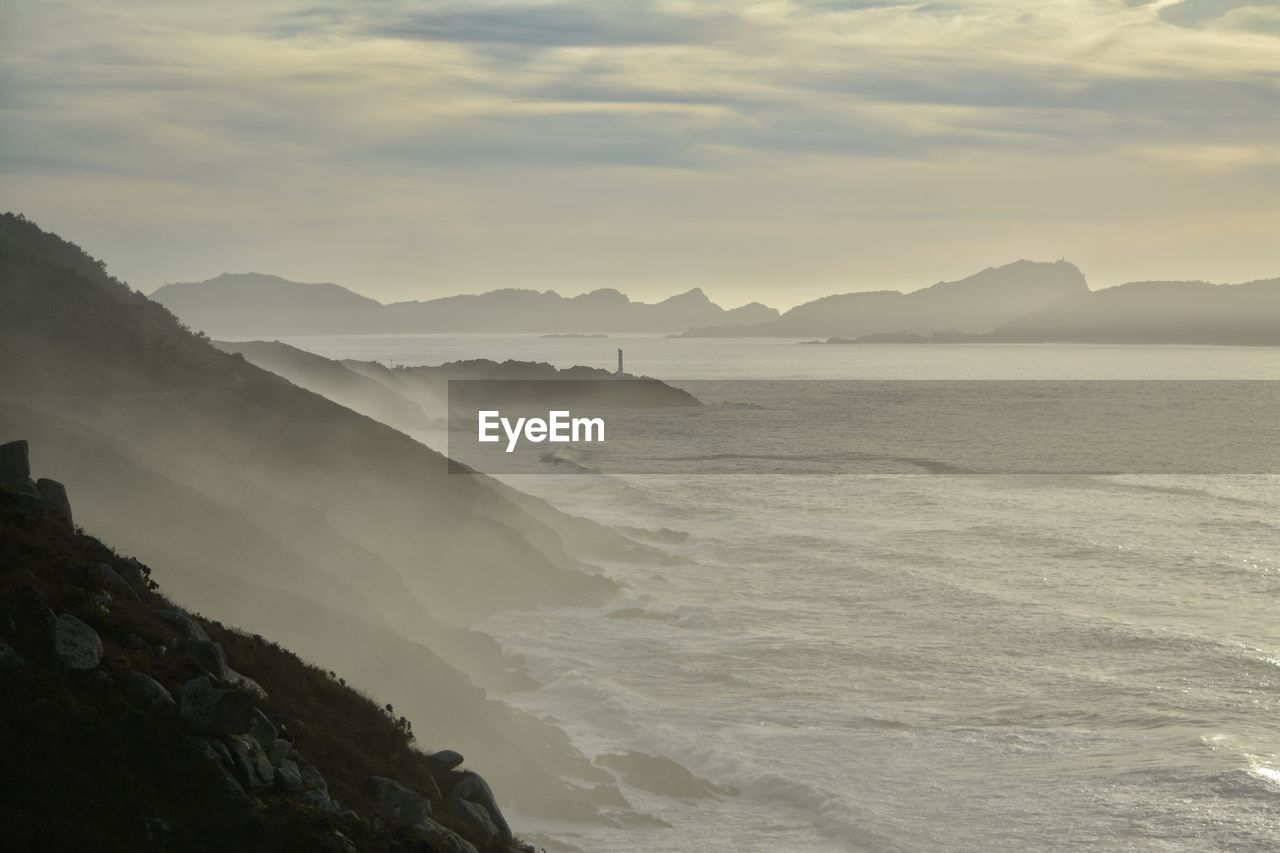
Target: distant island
(1030, 302)
(1151, 312)
(252, 305)
(575, 335)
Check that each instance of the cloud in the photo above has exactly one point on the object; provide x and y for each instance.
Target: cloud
(613, 112)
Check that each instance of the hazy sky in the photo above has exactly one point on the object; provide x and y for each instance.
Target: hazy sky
(773, 150)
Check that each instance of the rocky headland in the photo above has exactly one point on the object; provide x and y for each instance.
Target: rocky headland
(134, 724)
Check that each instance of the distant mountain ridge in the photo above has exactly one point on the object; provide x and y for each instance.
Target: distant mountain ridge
(1175, 312)
(978, 303)
(1192, 313)
(249, 305)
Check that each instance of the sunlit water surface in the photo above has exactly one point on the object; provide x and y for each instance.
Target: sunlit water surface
(916, 662)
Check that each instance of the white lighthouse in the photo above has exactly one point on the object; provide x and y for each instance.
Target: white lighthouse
(619, 374)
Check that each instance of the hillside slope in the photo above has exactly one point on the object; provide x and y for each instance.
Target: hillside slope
(135, 725)
(286, 513)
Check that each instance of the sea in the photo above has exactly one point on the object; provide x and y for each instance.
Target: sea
(912, 661)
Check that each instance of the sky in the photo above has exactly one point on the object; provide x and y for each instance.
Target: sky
(770, 151)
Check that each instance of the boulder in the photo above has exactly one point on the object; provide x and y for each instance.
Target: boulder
(184, 622)
(289, 778)
(9, 657)
(55, 495)
(75, 644)
(15, 468)
(471, 786)
(250, 763)
(263, 731)
(445, 759)
(311, 778)
(151, 693)
(319, 800)
(207, 655)
(213, 711)
(441, 839)
(400, 805)
(134, 573)
(245, 683)
(107, 578)
(469, 820)
(279, 750)
(219, 757)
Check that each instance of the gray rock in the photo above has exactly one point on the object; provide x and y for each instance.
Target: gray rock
(250, 763)
(319, 800)
(213, 711)
(469, 820)
(55, 495)
(101, 598)
(400, 805)
(279, 750)
(471, 786)
(133, 573)
(111, 581)
(184, 622)
(441, 839)
(445, 759)
(245, 683)
(218, 755)
(289, 778)
(209, 656)
(9, 657)
(311, 777)
(15, 461)
(76, 645)
(263, 732)
(152, 693)
(15, 467)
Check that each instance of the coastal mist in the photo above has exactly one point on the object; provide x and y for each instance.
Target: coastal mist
(919, 662)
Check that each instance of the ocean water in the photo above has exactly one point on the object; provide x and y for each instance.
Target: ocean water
(909, 662)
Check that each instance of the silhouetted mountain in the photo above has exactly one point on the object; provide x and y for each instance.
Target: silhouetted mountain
(978, 303)
(252, 305)
(289, 514)
(136, 725)
(1182, 312)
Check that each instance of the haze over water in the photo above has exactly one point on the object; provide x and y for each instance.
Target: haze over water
(915, 662)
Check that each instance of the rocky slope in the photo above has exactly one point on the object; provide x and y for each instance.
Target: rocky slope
(292, 516)
(136, 725)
